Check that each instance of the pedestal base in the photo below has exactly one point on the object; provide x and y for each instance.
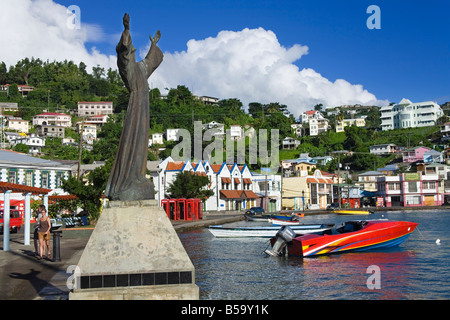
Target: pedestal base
(134, 253)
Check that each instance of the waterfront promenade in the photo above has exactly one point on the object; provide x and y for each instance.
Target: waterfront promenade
(23, 277)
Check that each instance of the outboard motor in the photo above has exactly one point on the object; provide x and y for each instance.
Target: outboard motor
(283, 236)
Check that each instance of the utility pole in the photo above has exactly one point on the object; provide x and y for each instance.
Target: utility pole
(80, 148)
(2, 141)
(339, 179)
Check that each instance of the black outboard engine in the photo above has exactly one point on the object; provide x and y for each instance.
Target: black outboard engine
(283, 236)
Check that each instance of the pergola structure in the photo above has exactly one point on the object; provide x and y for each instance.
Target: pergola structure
(7, 189)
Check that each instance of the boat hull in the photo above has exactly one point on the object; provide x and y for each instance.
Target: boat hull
(279, 222)
(264, 232)
(352, 212)
(259, 218)
(374, 235)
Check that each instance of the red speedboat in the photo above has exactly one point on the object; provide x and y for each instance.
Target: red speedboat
(355, 235)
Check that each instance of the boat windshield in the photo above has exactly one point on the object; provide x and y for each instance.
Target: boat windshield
(351, 226)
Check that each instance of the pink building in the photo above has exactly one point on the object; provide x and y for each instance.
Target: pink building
(409, 189)
(414, 154)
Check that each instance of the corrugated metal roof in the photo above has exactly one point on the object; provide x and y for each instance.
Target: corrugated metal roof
(21, 158)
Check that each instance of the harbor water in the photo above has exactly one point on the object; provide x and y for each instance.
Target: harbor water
(238, 269)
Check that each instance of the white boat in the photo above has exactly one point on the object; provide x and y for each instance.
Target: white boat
(264, 232)
(279, 222)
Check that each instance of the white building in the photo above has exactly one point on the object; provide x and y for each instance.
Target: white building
(236, 132)
(8, 106)
(18, 124)
(98, 121)
(234, 186)
(387, 148)
(289, 143)
(26, 170)
(208, 100)
(317, 122)
(219, 127)
(89, 134)
(34, 143)
(98, 108)
(359, 122)
(157, 138)
(56, 119)
(410, 115)
(171, 134)
(297, 128)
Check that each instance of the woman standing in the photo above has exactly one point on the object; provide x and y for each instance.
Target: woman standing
(44, 233)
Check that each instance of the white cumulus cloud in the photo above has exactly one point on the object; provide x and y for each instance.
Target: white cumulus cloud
(250, 64)
(253, 66)
(42, 29)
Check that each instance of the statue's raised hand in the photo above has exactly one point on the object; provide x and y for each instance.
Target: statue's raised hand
(156, 38)
(126, 21)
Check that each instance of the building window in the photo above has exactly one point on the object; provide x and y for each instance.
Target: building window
(412, 186)
(29, 178)
(313, 189)
(59, 179)
(429, 185)
(44, 179)
(12, 176)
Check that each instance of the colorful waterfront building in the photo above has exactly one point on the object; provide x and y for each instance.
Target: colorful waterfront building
(234, 186)
(409, 189)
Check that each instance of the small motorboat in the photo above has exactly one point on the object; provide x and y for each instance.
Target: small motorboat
(281, 222)
(352, 211)
(265, 232)
(287, 216)
(356, 235)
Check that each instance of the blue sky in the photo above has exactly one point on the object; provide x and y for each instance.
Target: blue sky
(407, 58)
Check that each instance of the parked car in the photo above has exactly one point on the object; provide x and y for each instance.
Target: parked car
(333, 206)
(255, 211)
(15, 221)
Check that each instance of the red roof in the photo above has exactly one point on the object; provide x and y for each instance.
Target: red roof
(18, 188)
(53, 114)
(96, 102)
(318, 180)
(175, 166)
(216, 167)
(238, 194)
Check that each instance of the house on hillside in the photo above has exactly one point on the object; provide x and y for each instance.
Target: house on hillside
(407, 114)
(380, 149)
(34, 143)
(52, 118)
(18, 124)
(98, 108)
(414, 154)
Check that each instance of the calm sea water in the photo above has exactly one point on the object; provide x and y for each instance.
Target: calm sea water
(238, 269)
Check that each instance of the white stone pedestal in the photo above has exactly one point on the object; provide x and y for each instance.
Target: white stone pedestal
(134, 253)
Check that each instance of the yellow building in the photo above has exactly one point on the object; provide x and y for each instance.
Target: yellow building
(307, 192)
(302, 168)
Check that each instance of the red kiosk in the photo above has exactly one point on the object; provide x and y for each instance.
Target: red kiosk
(183, 209)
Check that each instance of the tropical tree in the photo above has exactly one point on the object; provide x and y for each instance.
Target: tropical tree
(190, 186)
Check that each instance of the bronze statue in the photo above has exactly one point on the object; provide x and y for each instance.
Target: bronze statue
(127, 180)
